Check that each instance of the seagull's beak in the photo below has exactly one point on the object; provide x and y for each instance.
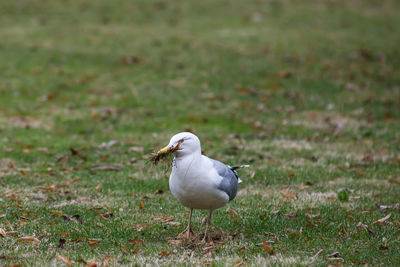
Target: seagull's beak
(163, 150)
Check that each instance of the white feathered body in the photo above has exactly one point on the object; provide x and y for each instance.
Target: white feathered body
(193, 182)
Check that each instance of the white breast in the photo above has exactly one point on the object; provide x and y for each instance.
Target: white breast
(193, 182)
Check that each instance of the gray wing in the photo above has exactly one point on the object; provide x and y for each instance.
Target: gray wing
(229, 183)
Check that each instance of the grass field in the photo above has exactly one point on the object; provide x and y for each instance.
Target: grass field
(307, 92)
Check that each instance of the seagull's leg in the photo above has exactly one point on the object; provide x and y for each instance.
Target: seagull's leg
(208, 225)
(188, 232)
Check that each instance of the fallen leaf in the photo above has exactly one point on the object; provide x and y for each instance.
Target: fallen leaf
(164, 253)
(74, 180)
(99, 186)
(3, 232)
(175, 241)
(141, 205)
(334, 254)
(22, 223)
(301, 186)
(232, 212)
(13, 197)
(290, 216)
(141, 226)
(105, 167)
(267, 248)
(57, 212)
(12, 232)
(313, 215)
(289, 195)
(29, 239)
(361, 225)
(125, 249)
(396, 223)
(93, 242)
(65, 260)
(284, 74)
(348, 216)
(367, 212)
(239, 262)
(174, 223)
(128, 60)
(162, 219)
(136, 241)
(383, 220)
(137, 149)
(2, 215)
(318, 253)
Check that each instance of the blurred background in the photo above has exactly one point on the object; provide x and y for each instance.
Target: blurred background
(307, 92)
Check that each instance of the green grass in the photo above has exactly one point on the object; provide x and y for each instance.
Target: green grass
(307, 92)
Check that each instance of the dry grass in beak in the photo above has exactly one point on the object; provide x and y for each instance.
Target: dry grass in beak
(161, 155)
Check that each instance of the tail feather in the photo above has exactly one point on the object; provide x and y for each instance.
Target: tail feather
(239, 167)
(234, 168)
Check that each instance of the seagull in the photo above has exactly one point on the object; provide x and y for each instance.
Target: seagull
(197, 181)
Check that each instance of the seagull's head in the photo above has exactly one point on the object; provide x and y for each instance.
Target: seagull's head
(182, 144)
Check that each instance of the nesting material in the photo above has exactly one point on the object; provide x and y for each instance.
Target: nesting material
(159, 156)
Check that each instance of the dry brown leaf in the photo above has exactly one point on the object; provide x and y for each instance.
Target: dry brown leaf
(267, 248)
(99, 186)
(383, 220)
(396, 223)
(367, 212)
(164, 253)
(57, 212)
(232, 212)
(309, 215)
(105, 167)
(175, 241)
(65, 260)
(125, 249)
(318, 253)
(159, 192)
(9, 224)
(13, 197)
(239, 262)
(3, 232)
(162, 219)
(29, 239)
(2, 215)
(301, 186)
(174, 223)
(289, 195)
(12, 233)
(74, 180)
(141, 226)
(136, 241)
(93, 242)
(141, 205)
(348, 216)
(22, 223)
